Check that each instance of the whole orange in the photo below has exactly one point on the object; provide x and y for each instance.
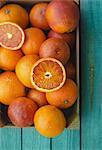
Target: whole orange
(14, 13)
(49, 121)
(55, 48)
(34, 37)
(65, 97)
(37, 16)
(67, 37)
(62, 16)
(10, 87)
(9, 58)
(38, 97)
(23, 69)
(21, 111)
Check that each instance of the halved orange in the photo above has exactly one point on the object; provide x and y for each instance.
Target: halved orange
(47, 75)
(11, 36)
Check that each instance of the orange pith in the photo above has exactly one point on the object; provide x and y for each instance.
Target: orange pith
(48, 74)
(11, 36)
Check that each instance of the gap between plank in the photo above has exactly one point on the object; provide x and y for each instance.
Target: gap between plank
(21, 140)
(50, 143)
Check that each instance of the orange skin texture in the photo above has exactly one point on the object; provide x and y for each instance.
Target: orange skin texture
(62, 16)
(23, 69)
(76, 1)
(70, 71)
(9, 58)
(38, 97)
(65, 97)
(55, 48)
(67, 37)
(49, 121)
(37, 16)
(11, 13)
(21, 112)
(34, 37)
(10, 87)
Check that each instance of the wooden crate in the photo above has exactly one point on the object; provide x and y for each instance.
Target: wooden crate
(73, 112)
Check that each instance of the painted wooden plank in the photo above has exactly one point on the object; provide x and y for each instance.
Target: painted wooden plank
(91, 87)
(10, 139)
(68, 140)
(32, 140)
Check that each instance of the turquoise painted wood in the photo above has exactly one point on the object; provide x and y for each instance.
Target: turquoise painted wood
(91, 62)
(32, 140)
(91, 89)
(68, 140)
(10, 139)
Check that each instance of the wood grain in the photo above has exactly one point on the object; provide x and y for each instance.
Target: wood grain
(10, 139)
(91, 97)
(91, 66)
(32, 140)
(68, 140)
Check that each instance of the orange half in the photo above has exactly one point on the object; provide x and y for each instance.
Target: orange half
(47, 75)
(11, 36)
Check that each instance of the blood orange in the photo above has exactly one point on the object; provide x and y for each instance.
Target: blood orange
(34, 37)
(23, 69)
(67, 37)
(48, 74)
(10, 87)
(37, 16)
(11, 36)
(55, 48)
(9, 58)
(62, 16)
(21, 111)
(38, 97)
(65, 97)
(49, 121)
(14, 13)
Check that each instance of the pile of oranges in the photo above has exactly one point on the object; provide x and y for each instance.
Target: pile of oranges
(38, 79)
